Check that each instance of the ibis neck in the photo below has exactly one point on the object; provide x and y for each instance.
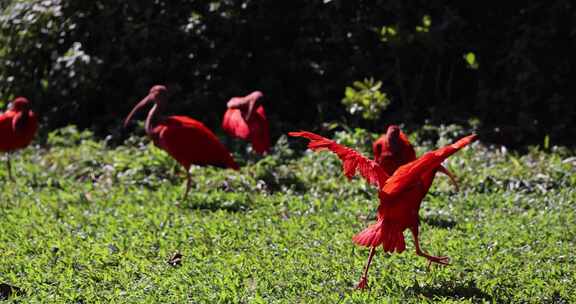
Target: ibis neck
(22, 120)
(394, 144)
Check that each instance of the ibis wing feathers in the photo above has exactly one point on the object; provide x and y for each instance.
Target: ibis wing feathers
(259, 131)
(6, 119)
(369, 237)
(12, 137)
(190, 142)
(352, 160)
(6, 131)
(387, 234)
(235, 125)
(410, 173)
(256, 130)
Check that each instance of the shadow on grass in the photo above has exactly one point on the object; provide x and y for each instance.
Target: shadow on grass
(214, 204)
(453, 291)
(6, 291)
(279, 179)
(439, 222)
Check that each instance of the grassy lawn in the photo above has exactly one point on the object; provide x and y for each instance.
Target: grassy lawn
(87, 223)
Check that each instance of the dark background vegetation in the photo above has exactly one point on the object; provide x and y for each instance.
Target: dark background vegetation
(86, 62)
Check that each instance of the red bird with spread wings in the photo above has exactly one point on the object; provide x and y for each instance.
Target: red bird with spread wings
(393, 150)
(187, 140)
(246, 119)
(18, 126)
(400, 194)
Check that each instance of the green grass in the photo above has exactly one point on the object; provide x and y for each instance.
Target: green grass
(88, 223)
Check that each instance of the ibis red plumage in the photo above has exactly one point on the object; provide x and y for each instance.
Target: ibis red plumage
(393, 150)
(400, 194)
(187, 140)
(18, 126)
(246, 119)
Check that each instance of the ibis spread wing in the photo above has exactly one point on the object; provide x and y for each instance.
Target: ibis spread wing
(410, 173)
(352, 160)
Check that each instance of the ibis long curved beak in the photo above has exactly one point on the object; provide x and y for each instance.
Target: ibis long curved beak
(254, 103)
(137, 107)
(247, 104)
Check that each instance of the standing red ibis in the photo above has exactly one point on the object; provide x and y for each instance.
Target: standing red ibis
(393, 149)
(400, 195)
(18, 126)
(245, 118)
(187, 140)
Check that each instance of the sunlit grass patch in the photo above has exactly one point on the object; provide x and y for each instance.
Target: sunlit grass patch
(87, 222)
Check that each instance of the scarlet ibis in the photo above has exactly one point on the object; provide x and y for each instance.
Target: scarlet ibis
(187, 140)
(246, 119)
(400, 195)
(18, 126)
(393, 149)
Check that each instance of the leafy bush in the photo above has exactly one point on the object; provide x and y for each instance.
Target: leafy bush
(87, 62)
(68, 137)
(365, 98)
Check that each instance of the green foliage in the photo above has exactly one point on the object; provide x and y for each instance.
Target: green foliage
(364, 98)
(387, 33)
(441, 135)
(358, 138)
(426, 23)
(91, 223)
(68, 137)
(87, 62)
(34, 54)
(470, 58)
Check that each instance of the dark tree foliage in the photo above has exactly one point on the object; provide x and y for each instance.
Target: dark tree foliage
(86, 62)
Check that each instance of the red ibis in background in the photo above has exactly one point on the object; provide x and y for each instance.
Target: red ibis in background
(393, 149)
(400, 195)
(187, 140)
(245, 118)
(18, 126)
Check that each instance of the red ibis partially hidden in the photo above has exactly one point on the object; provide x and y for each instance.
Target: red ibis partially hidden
(393, 150)
(246, 119)
(18, 126)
